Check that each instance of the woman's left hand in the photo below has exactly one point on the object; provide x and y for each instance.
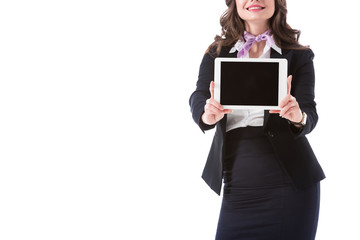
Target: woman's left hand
(289, 106)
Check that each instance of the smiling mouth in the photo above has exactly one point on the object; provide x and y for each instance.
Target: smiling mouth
(255, 8)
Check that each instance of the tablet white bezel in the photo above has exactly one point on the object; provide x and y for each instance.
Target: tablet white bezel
(282, 81)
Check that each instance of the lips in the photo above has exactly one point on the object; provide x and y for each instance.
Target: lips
(255, 7)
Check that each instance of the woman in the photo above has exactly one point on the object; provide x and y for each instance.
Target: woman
(271, 175)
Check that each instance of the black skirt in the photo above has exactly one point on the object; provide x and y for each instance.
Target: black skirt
(259, 201)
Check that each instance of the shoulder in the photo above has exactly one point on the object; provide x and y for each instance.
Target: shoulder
(305, 54)
(214, 52)
(298, 58)
(301, 55)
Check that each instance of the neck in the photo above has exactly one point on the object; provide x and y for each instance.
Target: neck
(256, 28)
(257, 49)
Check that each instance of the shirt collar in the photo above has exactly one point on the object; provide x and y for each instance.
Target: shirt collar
(240, 43)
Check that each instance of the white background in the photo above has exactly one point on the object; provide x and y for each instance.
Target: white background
(96, 135)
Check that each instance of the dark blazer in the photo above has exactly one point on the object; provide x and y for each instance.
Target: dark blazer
(290, 145)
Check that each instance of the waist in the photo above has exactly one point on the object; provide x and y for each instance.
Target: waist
(244, 133)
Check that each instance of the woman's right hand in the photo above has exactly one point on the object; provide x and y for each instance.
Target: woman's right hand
(214, 111)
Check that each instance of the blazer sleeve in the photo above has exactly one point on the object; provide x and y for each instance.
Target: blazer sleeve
(303, 89)
(198, 98)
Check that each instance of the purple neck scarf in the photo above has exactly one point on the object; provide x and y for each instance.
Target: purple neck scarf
(251, 39)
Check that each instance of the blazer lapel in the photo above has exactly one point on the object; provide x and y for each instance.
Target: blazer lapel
(275, 54)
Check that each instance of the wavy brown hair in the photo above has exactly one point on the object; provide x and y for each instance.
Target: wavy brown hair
(232, 29)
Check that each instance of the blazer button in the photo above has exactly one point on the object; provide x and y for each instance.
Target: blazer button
(271, 134)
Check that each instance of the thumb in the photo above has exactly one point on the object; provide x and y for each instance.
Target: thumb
(212, 87)
(289, 84)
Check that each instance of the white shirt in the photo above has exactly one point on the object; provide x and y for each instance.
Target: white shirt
(240, 117)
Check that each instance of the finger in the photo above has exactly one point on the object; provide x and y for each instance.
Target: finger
(289, 79)
(212, 87)
(287, 107)
(215, 103)
(227, 111)
(293, 114)
(274, 111)
(288, 114)
(220, 112)
(216, 114)
(285, 100)
(291, 101)
(211, 109)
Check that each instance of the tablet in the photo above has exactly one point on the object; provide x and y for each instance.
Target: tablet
(250, 83)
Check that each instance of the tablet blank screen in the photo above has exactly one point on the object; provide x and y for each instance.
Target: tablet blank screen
(249, 83)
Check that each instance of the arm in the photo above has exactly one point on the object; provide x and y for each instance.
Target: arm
(304, 91)
(301, 96)
(205, 110)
